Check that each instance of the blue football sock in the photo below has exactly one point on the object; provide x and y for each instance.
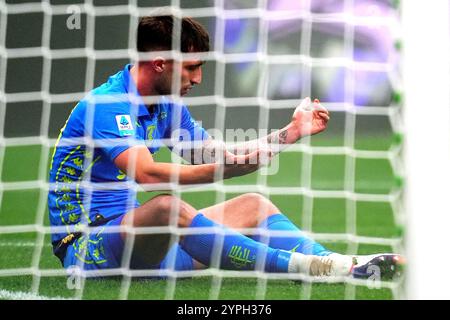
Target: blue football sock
(239, 252)
(297, 241)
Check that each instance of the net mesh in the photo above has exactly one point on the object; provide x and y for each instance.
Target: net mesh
(343, 186)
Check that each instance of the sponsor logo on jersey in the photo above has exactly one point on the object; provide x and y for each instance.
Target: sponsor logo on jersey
(124, 125)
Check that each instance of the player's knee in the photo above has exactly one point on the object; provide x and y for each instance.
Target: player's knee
(167, 206)
(254, 197)
(261, 204)
(164, 202)
(162, 206)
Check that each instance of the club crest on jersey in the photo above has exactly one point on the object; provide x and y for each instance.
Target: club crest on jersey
(124, 125)
(150, 130)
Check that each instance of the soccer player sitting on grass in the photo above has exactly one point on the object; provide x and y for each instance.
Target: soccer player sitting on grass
(107, 144)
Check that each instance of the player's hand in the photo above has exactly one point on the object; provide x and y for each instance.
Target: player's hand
(239, 165)
(310, 118)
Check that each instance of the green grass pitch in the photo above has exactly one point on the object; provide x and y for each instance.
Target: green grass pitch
(373, 219)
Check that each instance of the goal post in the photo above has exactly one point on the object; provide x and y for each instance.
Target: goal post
(426, 74)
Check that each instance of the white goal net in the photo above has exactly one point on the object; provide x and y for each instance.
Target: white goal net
(343, 187)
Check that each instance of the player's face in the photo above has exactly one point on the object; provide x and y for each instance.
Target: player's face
(191, 74)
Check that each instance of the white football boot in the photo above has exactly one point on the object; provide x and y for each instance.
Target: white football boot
(334, 265)
(385, 265)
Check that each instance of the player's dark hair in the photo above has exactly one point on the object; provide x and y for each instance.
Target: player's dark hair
(155, 33)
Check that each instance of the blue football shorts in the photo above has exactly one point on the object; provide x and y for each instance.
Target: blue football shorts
(102, 250)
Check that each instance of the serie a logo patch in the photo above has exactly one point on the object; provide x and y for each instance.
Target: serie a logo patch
(124, 125)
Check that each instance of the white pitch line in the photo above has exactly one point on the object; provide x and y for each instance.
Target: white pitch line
(20, 295)
(20, 244)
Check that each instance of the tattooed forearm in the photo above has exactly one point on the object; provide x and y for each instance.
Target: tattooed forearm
(278, 137)
(282, 136)
(211, 151)
(281, 139)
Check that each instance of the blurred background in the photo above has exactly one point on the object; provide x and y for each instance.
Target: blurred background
(336, 84)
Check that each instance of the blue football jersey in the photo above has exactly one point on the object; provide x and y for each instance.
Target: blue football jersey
(109, 120)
